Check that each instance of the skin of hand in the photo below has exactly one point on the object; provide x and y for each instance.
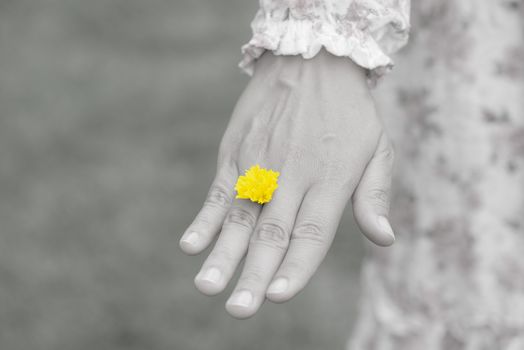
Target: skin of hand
(315, 122)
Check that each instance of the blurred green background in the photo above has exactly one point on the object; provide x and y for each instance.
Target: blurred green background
(111, 112)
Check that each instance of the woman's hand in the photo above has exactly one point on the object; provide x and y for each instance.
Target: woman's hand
(315, 122)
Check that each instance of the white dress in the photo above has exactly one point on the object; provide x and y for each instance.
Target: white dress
(454, 107)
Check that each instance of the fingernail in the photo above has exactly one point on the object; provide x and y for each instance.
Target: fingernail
(383, 222)
(211, 275)
(241, 298)
(278, 286)
(190, 238)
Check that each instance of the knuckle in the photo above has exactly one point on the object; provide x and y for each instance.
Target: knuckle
(295, 267)
(228, 142)
(294, 155)
(272, 233)
(309, 231)
(389, 153)
(240, 216)
(226, 165)
(202, 220)
(337, 175)
(253, 275)
(218, 196)
(379, 197)
(221, 256)
(224, 149)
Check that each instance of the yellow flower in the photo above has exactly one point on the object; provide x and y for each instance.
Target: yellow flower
(258, 184)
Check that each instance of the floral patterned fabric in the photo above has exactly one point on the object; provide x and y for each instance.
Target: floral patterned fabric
(366, 31)
(454, 107)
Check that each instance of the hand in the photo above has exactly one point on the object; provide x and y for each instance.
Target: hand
(315, 122)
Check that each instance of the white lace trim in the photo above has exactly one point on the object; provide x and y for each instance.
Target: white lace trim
(366, 33)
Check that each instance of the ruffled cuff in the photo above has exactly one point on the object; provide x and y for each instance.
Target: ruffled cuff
(365, 31)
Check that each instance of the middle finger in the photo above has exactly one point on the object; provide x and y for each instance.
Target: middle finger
(267, 247)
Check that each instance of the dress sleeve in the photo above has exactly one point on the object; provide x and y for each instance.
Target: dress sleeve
(366, 31)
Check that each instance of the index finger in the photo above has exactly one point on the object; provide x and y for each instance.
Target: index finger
(208, 222)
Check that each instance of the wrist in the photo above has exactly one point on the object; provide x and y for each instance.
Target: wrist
(324, 66)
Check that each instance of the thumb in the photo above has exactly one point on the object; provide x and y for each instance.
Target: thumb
(372, 196)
